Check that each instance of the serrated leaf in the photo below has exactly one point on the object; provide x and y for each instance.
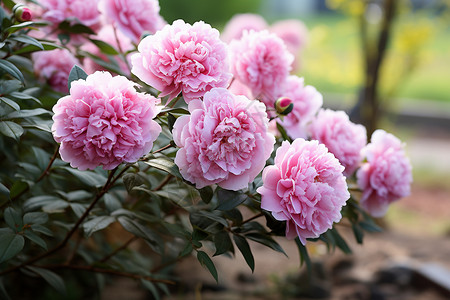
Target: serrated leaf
(11, 129)
(105, 47)
(35, 218)
(10, 103)
(51, 277)
(13, 219)
(227, 200)
(152, 288)
(222, 242)
(166, 165)
(10, 245)
(27, 40)
(96, 224)
(75, 74)
(265, 240)
(12, 70)
(35, 239)
(205, 261)
(244, 247)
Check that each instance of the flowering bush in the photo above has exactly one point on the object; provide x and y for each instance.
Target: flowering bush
(103, 161)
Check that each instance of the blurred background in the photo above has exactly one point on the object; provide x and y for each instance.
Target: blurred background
(387, 64)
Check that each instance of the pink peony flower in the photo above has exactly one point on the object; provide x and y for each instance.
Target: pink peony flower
(183, 58)
(224, 140)
(239, 23)
(261, 61)
(106, 34)
(135, 17)
(294, 34)
(54, 67)
(104, 121)
(307, 102)
(84, 11)
(386, 176)
(305, 187)
(342, 137)
(23, 14)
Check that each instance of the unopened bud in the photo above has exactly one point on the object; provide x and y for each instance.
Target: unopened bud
(23, 14)
(284, 105)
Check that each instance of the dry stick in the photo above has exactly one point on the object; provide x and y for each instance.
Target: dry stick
(125, 245)
(107, 271)
(108, 184)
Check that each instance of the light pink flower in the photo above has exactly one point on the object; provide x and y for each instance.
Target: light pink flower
(307, 102)
(386, 176)
(104, 121)
(294, 34)
(224, 140)
(342, 137)
(183, 58)
(239, 23)
(84, 11)
(261, 61)
(305, 187)
(134, 17)
(106, 34)
(54, 67)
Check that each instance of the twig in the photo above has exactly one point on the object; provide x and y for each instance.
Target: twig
(252, 218)
(163, 183)
(125, 245)
(46, 171)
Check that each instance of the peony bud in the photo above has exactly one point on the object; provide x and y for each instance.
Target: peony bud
(284, 105)
(23, 14)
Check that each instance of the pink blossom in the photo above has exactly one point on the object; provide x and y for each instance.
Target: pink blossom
(54, 67)
(104, 121)
(342, 137)
(23, 14)
(106, 34)
(261, 61)
(239, 23)
(135, 17)
(307, 102)
(304, 187)
(294, 34)
(183, 58)
(224, 140)
(84, 11)
(386, 176)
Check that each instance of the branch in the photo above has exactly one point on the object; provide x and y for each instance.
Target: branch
(125, 245)
(46, 171)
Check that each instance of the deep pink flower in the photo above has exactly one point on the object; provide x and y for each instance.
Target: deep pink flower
(294, 34)
(342, 137)
(183, 58)
(305, 187)
(307, 102)
(261, 61)
(54, 67)
(23, 14)
(239, 23)
(134, 17)
(224, 140)
(106, 34)
(386, 176)
(104, 121)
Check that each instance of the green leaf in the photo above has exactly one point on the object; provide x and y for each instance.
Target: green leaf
(227, 200)
(32, 48)
(17, 27)
(283, 133)
(96, 224)
(26, 113)
(37, 202)
(206, 193)
(139, 230)
(75, 74)
(105, 47)
(11, 129)
(222, 242)
(78, 209)
(111, 202)
(17, 188)
(89, 178)
(25, 96)
(265, 240)
(69, 27)
(370, 226)
(12, 70)
(152, 288)
(244, 247)
(339, 241)
(10, 103)
(35, 218)
(171, 121)
(304, 257)
(13, 219)
(186, 250)
(52, 278)
(132, 180)
(166, 165)
(9, 86)
(10, 245)
(4, 190)
(35, 239)
(205, 261)
(27, 40)
(359, 234)
(41, 229)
